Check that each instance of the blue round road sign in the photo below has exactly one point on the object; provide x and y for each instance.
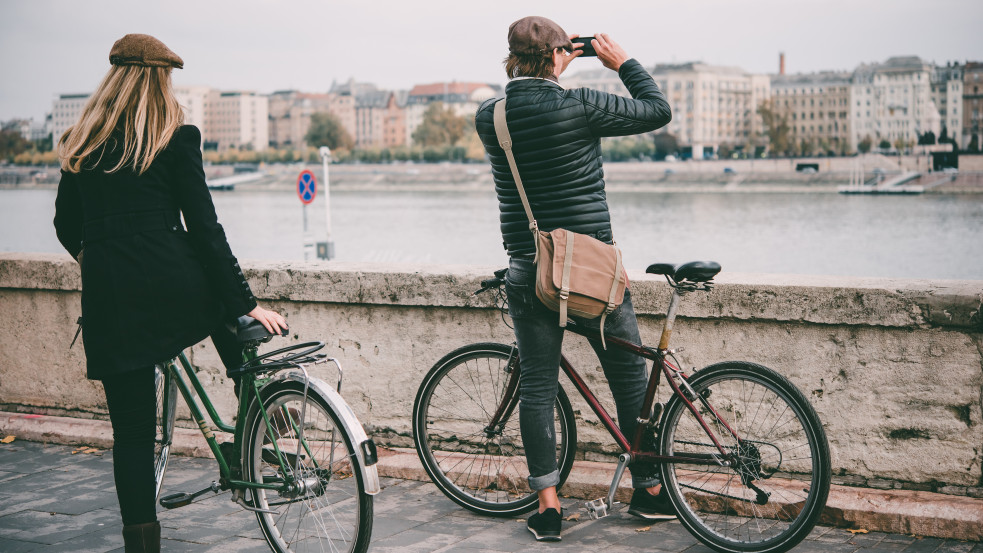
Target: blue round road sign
(306, 186)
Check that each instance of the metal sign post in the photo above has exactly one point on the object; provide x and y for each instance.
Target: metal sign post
(325, 250)
(306, 191)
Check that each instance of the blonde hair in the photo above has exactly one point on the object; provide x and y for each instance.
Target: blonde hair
(134, 99)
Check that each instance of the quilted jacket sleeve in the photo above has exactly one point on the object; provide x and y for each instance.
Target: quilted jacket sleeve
(207, 234)
(614, 115)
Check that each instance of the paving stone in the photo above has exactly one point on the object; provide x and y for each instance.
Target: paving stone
(16, 546)
(409, 516)
(924, 545)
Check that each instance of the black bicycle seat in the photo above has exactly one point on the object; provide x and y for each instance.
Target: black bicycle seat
(694, 271)
(248, 329)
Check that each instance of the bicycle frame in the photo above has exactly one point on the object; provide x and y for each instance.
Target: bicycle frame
(249, 388)
(660, 366)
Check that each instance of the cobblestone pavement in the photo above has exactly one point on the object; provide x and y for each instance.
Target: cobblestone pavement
(56, 498)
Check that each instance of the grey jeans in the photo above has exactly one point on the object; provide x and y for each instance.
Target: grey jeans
(539, 339)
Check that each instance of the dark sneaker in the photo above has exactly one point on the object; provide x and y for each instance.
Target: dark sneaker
(546, 525)
(651, 507)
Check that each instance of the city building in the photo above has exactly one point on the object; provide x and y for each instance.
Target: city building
(65, 112)
(290, 115)
(28, 129)
(947, 95)
(972, 108)
(194, 101)
(236, 120)
(712, 106)
(816, 107)
(892, 101)
(378, 117)
(461, 98)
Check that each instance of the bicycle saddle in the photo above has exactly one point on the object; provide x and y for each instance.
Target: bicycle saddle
(694, 271)
(247, 328)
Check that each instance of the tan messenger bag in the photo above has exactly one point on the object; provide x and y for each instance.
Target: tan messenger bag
(575, 274)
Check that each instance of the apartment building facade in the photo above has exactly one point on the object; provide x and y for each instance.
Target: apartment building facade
(816, 108)
(236, 120)
(65, 112)
(290, 114)
(462, 98)
(972, 108)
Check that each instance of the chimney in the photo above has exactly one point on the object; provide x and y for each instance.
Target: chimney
(781, 63)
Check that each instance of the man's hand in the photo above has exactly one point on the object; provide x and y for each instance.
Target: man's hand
(611, 54)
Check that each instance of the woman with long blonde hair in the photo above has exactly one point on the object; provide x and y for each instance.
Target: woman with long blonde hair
(150, 288)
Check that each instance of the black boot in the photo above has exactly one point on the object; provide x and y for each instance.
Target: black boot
(142, 538)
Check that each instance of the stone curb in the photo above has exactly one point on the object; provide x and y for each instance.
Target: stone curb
(892, 511)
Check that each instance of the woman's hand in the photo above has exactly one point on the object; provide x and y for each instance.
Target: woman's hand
(611, 54)
(272, 321)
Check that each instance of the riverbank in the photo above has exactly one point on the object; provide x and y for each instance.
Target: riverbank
(734, 176)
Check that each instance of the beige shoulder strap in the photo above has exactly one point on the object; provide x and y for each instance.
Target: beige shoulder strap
(505, 141)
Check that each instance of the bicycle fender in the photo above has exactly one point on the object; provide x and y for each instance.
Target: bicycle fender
(370, 475)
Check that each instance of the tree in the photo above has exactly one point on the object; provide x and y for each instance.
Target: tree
(327, 130)
(926, 139)
(865, 145)
(776, 128)
(665, 143)
(440, 127)
(884, 144)
(11, 144)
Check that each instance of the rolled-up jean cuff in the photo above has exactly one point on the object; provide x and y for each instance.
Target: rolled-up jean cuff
(645, 482)
(546, 481)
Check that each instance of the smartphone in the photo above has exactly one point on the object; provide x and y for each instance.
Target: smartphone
(588, 48)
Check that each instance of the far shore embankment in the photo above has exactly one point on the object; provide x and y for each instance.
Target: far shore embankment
(710, 176)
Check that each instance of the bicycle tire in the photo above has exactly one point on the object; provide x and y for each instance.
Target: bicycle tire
(484, 474)
(330, 510)
(164, 423)
(782, 451)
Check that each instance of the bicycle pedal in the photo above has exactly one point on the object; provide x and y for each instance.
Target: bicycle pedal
(597, 509)
(175, 500)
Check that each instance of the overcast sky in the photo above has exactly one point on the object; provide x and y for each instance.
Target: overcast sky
(50, 47)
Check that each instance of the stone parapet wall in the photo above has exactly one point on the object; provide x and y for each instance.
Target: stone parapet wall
(894, 367)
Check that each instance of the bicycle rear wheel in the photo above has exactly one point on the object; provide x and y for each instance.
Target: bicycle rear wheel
(328, 509)
(484, 472)
(776, 486)
(164, 425)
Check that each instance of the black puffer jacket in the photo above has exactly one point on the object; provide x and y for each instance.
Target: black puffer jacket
(556, 141)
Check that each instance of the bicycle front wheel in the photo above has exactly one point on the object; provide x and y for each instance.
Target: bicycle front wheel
(483, 470)
(775, 486)
(164, 425)
(327, 508)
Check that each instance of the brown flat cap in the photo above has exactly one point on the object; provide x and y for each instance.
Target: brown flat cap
(537, 35)
(144, 50)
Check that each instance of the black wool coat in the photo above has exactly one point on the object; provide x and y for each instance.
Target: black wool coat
(556, 141)
(150, 288)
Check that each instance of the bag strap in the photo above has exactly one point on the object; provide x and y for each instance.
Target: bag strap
(505, 141)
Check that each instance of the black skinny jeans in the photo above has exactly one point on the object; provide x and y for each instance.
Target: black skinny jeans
(132, 401)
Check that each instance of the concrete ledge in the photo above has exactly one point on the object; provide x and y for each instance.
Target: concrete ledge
(894, 511)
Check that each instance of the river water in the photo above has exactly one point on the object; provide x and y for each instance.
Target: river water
(929, 236)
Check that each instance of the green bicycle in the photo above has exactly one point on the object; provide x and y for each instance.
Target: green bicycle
(299, 458)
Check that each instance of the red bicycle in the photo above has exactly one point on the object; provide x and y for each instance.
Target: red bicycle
(743, 455)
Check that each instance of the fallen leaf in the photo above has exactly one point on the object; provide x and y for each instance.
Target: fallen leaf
(575, 516)
(7, 440)
(644, 529)
(856, 530)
